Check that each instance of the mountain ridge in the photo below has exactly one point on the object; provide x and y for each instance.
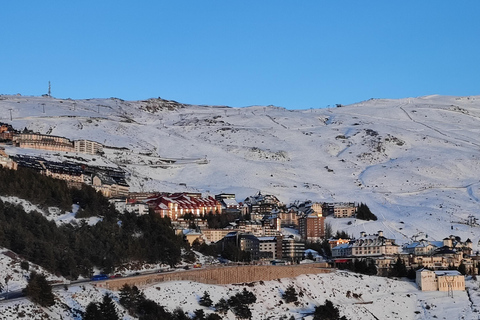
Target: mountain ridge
(413, 161)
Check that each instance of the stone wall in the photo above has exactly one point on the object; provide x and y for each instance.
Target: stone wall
(220, 275)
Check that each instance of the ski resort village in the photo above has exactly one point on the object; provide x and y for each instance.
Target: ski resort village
(113, 209)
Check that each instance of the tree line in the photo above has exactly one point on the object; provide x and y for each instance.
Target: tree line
(73, 250)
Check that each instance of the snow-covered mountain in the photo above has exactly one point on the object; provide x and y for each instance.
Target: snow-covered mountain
(414, 161)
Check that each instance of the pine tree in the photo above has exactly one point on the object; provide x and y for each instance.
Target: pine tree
(198, 314)
(179, 314)
(222, 306)
(130, 298)
(364, 213)
(239, 304)
(328, 231)
(108, 309)
(39, 290)
(246, 297)
(399, 269)
(92, 312)
(327, 312)
(371, 268)
(205, 300)
(242, 311)
(213, 316)
(290, 294)
(149, 309)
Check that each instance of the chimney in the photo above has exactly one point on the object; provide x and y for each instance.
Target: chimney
(380, 233)
(363, 234)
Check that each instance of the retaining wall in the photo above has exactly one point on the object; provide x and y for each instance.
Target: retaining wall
(220, 275)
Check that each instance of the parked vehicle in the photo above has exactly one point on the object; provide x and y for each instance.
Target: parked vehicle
(278, 262)
(99, 277)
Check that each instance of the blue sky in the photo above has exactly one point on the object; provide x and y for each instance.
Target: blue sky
(293, 54)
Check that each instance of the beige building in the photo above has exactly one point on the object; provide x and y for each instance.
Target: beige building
(288, 218)
(42, 141)
(317, 207)
(191, 236)
(270, 247)
(444, 280)
(374, 245)
(67, 176)
(108, 186)
(344, 210)
(6, 162)
(214, 235)
(436, 255)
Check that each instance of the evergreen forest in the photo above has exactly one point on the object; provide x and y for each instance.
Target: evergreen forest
(73, 250)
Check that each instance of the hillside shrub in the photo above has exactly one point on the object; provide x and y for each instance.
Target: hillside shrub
(364, 213)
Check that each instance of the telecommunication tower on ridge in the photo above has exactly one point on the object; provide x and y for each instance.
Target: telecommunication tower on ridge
(49, 89)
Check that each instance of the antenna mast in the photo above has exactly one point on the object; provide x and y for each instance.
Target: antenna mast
(450, 280)
(49, 89)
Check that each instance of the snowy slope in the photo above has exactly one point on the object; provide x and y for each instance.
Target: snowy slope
(387, 299)
(414, 161)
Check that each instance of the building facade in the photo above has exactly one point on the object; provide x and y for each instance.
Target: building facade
(6, 162)
(292, 250)
(270, 247)
(176, 205)
(244, 241)
(42, 141)
(367, 246)
(445, 280)
(344, 210)
(87, 146)
(312, 227)
(108, 186)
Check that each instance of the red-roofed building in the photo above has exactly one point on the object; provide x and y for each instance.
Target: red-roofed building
(176, 205)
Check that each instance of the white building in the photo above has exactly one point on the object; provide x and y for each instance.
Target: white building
(367, 246)
(87, 146)
(139, 208)
(442, 280)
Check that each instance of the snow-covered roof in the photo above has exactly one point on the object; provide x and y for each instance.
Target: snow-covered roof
(266, 238)
(447, 273)
(230, 202)
(342, 246)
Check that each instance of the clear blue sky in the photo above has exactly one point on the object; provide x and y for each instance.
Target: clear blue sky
(293, 54)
